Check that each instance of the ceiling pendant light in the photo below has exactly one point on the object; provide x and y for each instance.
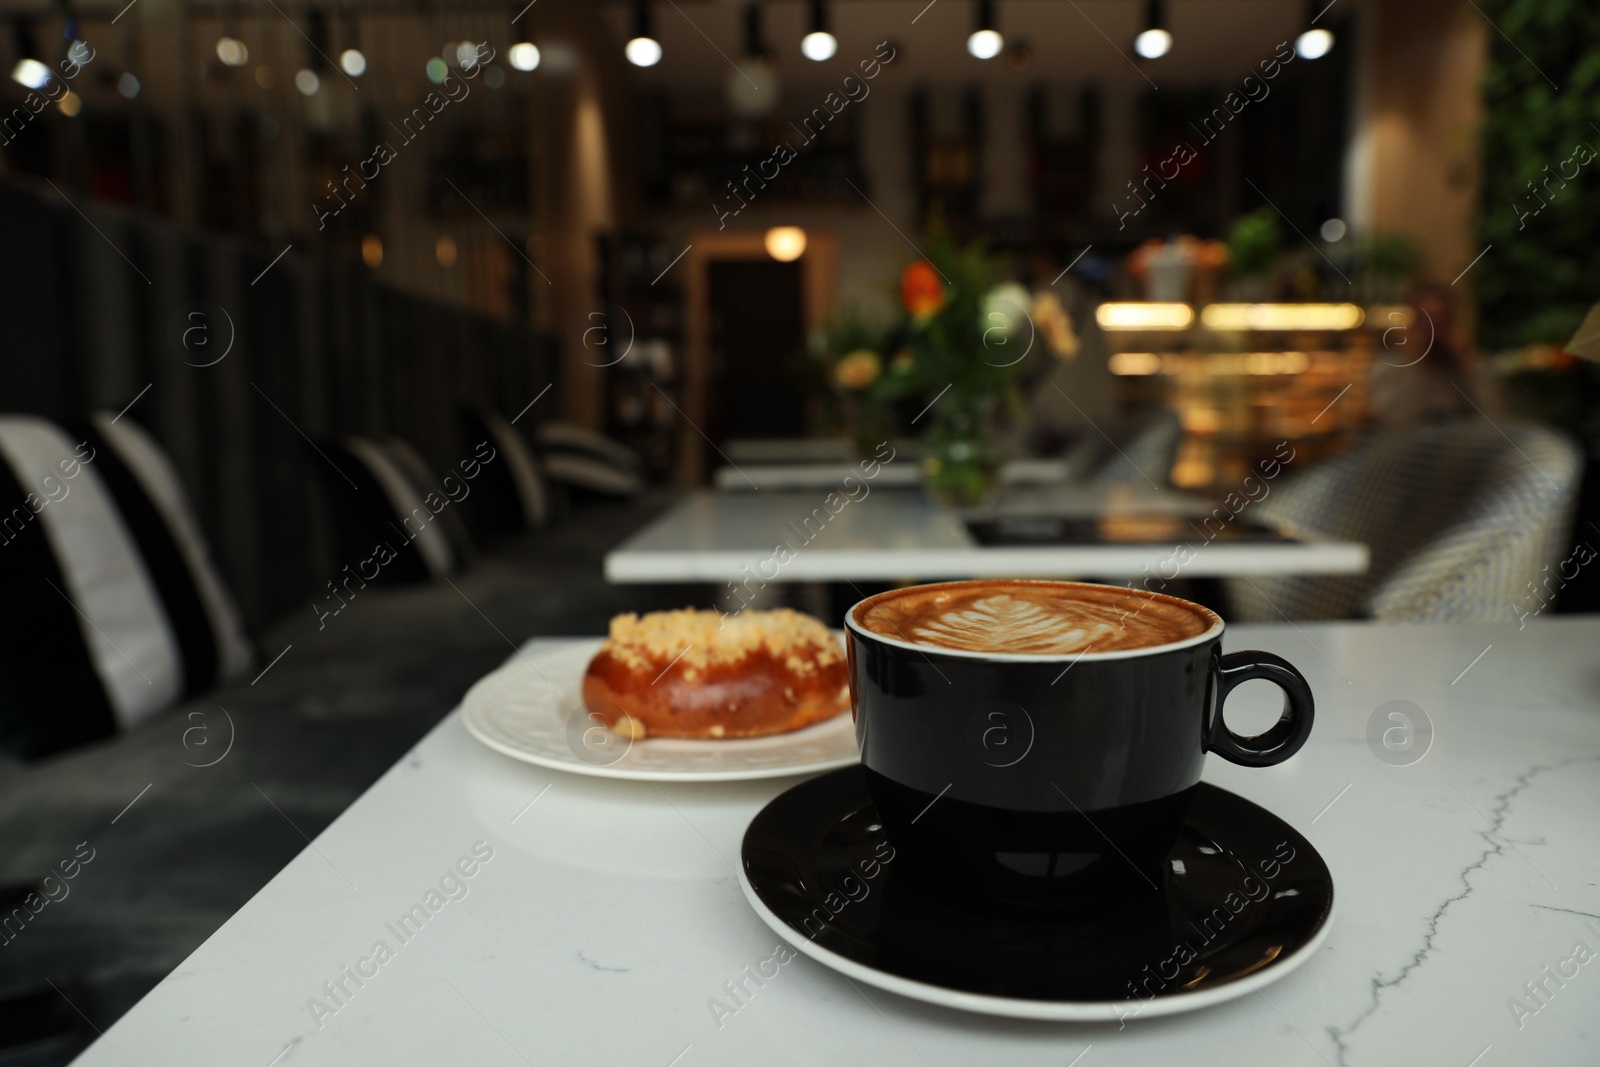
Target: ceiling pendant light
(1154, 41)
(755, 38)
(643, 50)
(29, 71)
(353, 61)
(819, 44)
(785, 243)
(985, 42)
(1316, 41)
(524, 54)
(307, 79)
(232, 52)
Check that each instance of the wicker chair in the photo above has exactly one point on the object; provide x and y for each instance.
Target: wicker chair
(1460, 517)
(1147, 454)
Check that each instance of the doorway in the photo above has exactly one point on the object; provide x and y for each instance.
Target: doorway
(758, 337)
(747, 320)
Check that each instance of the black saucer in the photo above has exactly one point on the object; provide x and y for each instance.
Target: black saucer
(1244, 900)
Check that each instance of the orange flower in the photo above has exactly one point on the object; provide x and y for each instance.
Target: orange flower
(858, 370)
(921, 291)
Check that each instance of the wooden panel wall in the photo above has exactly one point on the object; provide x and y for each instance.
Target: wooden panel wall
(88, 319)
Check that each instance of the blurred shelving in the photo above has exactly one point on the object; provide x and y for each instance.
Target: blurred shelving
(1248, 381)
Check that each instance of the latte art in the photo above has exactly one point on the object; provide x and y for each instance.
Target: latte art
(1015, 625)
(1032, 618)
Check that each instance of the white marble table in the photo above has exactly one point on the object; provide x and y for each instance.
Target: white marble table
(610, 913)
(891, 534)
(789, 450)
(827, 474)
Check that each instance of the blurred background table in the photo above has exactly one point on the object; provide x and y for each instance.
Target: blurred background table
(892, 534)
(829, 474)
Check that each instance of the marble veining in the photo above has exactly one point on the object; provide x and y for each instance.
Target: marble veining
(605, 875)
(1497, 815)
(595, 965)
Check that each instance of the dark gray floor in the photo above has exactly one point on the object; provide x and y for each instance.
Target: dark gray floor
(333, 714)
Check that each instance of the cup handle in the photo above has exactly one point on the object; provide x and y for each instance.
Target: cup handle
(1286, 735)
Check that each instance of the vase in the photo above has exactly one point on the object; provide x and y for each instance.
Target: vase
(871, 425)
(963, 454)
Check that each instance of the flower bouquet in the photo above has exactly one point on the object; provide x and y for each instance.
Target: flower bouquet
(972, 341)
(950, 364)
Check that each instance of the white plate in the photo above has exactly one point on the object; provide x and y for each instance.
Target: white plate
(532, 709)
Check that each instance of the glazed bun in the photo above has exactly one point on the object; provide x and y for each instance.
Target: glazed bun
(702, 674)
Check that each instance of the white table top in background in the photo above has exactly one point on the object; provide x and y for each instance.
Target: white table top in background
(790, 449)
(831, 474)
(893, 534)
(611, 913)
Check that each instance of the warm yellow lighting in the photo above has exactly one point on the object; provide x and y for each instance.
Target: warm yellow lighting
(1390, 315)
(372, 250)
(444, 250)
(786, 243)
(1212, 364)
(1192, 473)
(69, 104)
(1135, 363)
(1268, 363)
(1142, 316)
(1282, 316)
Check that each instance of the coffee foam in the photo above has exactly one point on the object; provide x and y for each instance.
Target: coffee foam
(1032, 618)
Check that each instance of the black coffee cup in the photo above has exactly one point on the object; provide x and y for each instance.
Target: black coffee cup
(1051, 780)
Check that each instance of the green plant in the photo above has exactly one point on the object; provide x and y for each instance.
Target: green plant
(1255, 243)
(1389, 255)
(848, 362)
(960, 344)
(967, 339)
(1540, 207)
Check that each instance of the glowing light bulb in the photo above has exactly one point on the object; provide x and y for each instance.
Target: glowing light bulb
(785, 243)
(1153, 43)
(524, 55)
(30, 72)
(819, 45)
(643, 51)
(985, 44)
(1314, 44)
(232, 52)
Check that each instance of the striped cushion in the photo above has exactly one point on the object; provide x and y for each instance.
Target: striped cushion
(589, 461)
(513, 496)
(439, 495)
(384, 516)
(127, 613)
